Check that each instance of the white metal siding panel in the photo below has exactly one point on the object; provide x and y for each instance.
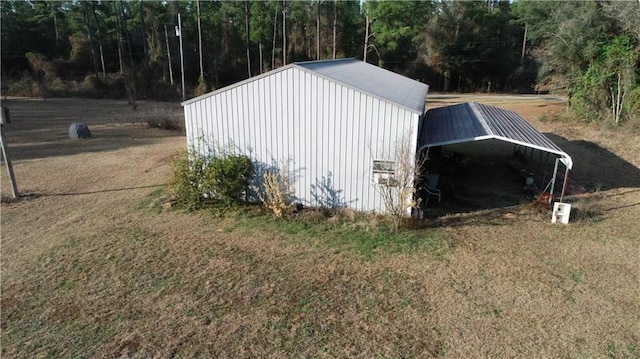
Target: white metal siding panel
(310, 123)
(314, 125)
(201, 113)
(345, 116)
(251, 118)
(361, 130)
(189, 121)
(234, 102)
(278, 93)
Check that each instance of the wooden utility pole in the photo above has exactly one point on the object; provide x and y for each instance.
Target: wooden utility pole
(179, 34)
(12, 178)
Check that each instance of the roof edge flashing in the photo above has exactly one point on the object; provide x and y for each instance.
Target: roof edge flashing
(456, 141)
(324, 61)
(565, 158)
(237, 84)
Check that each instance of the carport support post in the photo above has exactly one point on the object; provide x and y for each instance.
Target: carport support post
(564, 185)
(544, 170)
(553, 180)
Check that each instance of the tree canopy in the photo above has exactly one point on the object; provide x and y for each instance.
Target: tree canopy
(587, 50)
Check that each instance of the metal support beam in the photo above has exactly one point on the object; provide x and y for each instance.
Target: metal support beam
(553, 179)
(564, 185)
(544, 169)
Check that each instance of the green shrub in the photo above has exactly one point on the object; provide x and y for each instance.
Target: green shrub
(202, 87)
(632, 105)
(25, 86)
(227, 177)
(223, 178)
(186, 184)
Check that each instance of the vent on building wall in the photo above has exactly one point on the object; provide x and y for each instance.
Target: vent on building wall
(384, 173)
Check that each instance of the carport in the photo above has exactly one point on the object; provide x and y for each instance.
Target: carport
(475, 122)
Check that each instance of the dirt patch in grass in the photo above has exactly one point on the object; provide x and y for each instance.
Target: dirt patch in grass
(93, 266)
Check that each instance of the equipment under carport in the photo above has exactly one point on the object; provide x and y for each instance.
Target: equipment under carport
(472, 122)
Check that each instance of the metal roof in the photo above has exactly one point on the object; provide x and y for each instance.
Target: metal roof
(376, 81)
(473, 121)
(360, 76)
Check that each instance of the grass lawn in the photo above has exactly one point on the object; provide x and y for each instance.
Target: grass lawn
(94, 266)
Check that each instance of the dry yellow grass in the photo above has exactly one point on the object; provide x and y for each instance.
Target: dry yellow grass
(91, 268)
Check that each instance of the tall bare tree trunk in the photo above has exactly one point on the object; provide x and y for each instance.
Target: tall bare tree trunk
(200, 41)
(335, 25)
(104, 73)
(366, 38)
(318, 31)
(617, 100)
(284, 32)
(273, 46)
(99, 40)
(260, 57)
(123, 23)
(90, 36)
(144, 34)
(119, 37)
(55, 27)
(166, 38)
(246, 22)
(524, 40)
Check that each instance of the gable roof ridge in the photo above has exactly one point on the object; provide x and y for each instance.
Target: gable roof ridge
(480, 115)
(324, 61)
(415, 103)
(381, 96)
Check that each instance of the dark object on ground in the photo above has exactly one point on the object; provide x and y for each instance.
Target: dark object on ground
(6, 118)
(79, 130)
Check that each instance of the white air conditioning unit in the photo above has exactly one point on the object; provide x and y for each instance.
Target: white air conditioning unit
(383, 173)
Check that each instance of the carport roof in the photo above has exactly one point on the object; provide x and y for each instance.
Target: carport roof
(473, 121)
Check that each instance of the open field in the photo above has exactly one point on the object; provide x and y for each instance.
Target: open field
(93, 266)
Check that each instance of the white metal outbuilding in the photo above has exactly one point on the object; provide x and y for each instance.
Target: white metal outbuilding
(327, 121)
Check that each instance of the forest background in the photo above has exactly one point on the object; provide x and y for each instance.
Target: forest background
(588, 51)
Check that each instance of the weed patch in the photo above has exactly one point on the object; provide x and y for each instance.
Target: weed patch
(588, 208)
(163, 124)
(154, 201)
(344, 233)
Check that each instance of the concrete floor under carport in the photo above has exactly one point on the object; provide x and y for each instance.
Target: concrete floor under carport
(484, 175)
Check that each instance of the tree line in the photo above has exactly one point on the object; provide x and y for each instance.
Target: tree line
(587, 50)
